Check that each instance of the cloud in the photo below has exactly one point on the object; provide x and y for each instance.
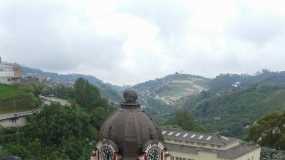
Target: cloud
(257, 27)
(130, 41)
(48, 36)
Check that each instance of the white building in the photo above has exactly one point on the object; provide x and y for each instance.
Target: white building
(197, 146)
(9, 73)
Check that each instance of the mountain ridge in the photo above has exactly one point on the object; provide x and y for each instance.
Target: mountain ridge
(232, 108)
(228, 103)
(108, 90)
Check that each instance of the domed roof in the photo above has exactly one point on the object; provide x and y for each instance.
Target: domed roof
(130, 128)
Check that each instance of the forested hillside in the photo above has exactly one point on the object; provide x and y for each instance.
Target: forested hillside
(228, 103)
(232, 108)
(226, 82)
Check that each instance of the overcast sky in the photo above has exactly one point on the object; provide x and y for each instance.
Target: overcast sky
(130, 41)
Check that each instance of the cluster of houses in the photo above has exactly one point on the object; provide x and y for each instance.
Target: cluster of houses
(10, 73)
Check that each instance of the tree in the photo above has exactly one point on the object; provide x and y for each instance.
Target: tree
(37, 88)
(269, 131)
(184, 120)
(57, 132)
(61, 91)
(87, 95)
(60, 132)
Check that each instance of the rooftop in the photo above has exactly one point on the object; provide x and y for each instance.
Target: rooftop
(231, 153)
(194, 142)
(194, 137)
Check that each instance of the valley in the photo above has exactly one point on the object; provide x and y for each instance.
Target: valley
(227, 104)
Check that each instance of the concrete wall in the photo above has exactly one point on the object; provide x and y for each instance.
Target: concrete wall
(236, 143)
(4, 80)
(7, 80)
(20, 122)
(189, 156)
(7, 74)
(254, 155)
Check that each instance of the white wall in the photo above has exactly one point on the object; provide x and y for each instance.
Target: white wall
(253, 155)
(7, 74)
(18, 123)
(7, 70)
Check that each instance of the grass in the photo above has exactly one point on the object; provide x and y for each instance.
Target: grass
(8, 110)
(16, 99)
(8, 91)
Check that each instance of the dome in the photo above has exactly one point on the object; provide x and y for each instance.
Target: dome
(130, 96)
(129, 129)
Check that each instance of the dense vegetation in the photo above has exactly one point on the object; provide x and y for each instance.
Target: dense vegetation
(60, 132)
(158, 110)
(231, 109)
(231, 113)
(17, 98)
(183, 120)
(269, 131)
(230, 103)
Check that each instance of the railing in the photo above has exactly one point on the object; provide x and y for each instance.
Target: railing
(18, 114)
(46, 100)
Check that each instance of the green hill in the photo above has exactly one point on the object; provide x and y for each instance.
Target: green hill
(232, 112)
(232, 108)
(172, 88)
(160, 97)
(16, 99)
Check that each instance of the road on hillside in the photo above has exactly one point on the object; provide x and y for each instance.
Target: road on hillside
(18, 114)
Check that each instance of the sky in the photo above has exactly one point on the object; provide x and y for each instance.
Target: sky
(130, 41)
